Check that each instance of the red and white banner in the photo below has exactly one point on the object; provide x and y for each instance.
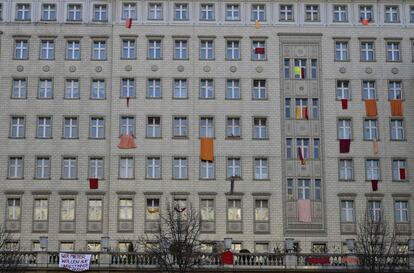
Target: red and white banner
(75, 262)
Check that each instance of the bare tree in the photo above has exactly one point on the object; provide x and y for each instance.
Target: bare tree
(10, 255)
(176, 245)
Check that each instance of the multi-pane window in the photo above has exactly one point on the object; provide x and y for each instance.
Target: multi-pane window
(96, 167)
(66, 246)
(344, 129)
(347, 211)
(206, 127)
(100, 13)
(23, 12)
(153, 127)
(303, 189)
(317, 190)
(392, 14)
(1, 11)
(260, 130)
(95, 209)
(44, 127)
(370, 129)
(233, 167)
(180, 168)
(17, 127)
(129, 10)
(127, 88)
(261, 210)
(128, 49)
(126, 167)
(367, 52)
(316, 148)
(258, 12)
(234, 210)
(125, 209)
(341, 51)
(181, 12)
(397, 129)
(154, 49)
(47, 50)
(289, 189)
(288, 108)
(393, 52)
(180, 49)
(45, 89)
(180, 127)
(342, 90)
(394, 90)
(48, 12)
(207, 210)
(155, 11)
(15, 167)
(233, 129)
(232, 12)
(206, 89)
(154, 88)
(153, 209)
(13, 209)
(70, 168)
(286, 13)
(180, 89)
(72, 89)
(98, 89)
(99, 50)
(19, 89)
(340, 13)
(259, 90)
(207, 169)
(374, 210)
(206, 50)
(40, 210)
(233, 89)
(233, 50)
(258, 50)
(21, 49)
(97, 127)
(312, 13)
(346, 169)
(261, 169)
(369, 91)
(314, 69)
(303, 148)
(399, 170)
(42, 168)
(286, 69)
(153, 168)
(67, 210)
(401, 211)
(411, 14)
(207, 12)
(73, 51)
(315, 109)
(70, 127)
(372, 169)
(366, 12)
(127, 126)
(74, 12)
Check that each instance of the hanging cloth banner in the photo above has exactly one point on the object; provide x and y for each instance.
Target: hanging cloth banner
(128, 23)
(374, 185)
(365, 21)
(396, 108)
(375, 146)
(207, 149)
(300, 156)
(259, 50)
(371, 108)
(402, 174)
(344, 103)
(153, 210)
(304, 211)
(344, 146)
(75, 262)
(127, 142)
(257, 24)
(227, 257)
(93, 183)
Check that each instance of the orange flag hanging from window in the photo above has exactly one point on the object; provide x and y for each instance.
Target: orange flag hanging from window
(207, 149)
(371, 108)
(257, 25)
(396, 108)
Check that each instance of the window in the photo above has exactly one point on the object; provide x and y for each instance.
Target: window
(233, 127)
(154, 49)
(128, 49)
(17, 127)
(153, 127)
(372, 169)
(261, 210)
(315, 109)
(300, 66)
(411, 14)
(261, 169)
(312, 13)
(72, 89)
(125, 246)
(100, 13)
(374, 210)
(290, 192)
(314, 69)
(316, 148)
(21, 49)
(286, 69)
(153, 210)
(45, 89)
(44, 127)
(94, 210)
(206, 127)
(126, 167)
(98, 89)
(393, 52)
(399, 170)
(397, 129)
(301, 108)
(154, 89)
(70, 168)
(369, 91)
(74, 12)
(99, 50)
(70, 127)
(234, 210)
(207, 170)
(207, 210)
(259, 90)
(341, 51)
(317, 190)
(181, 12)
(347, 211)
(344, 129)
(258, 12)
(125, 209)
(261, 247)
(23, 12)
(180, 127)
(42, 168)
(370, 129)
(13, 209)
(233, 167)
(153, 168)
(346, 170)
(1, 12)
(180, 89)
(260, 128)
(127, 126)
(129, 10)
(401, 211)
(342, 90)
(302, 146)
(286, 13)
(340, 13)
(180, 168)
(40, 210)
(394, 90)
(96, 167)
(258, 50)
(206, 50)
(127, 88)
(66, 246)
(232, 12)
(233, 50)
(206, 89)
(367, 52)
(233, 89)
(67, 210)
(155, 11)
(15, 168)
(366, 12)
(288, 108)
(392, 14)
(303, 189)
(73, 50)
(180, 49)
(97, 127)
(47, 50)
(48, 12)
(207, 12)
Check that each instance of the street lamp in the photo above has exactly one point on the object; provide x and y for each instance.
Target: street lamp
(227, 243)
(43, 241)
(105, 243)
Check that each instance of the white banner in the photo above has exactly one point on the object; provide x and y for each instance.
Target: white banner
(74, 262)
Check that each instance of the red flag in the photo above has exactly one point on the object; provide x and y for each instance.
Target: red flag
(128, 23)
(127, 101)
(259, 50)
(302, 73)
(227, 257)
(300, 155)
(344, 145)
(305, 113)
(402, 174)
(93, 183)
(344, 103)
(365, 21)
(374, 185)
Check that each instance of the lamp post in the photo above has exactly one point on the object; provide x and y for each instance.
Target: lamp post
(105, 243)
(43, 241)
(227, 243)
